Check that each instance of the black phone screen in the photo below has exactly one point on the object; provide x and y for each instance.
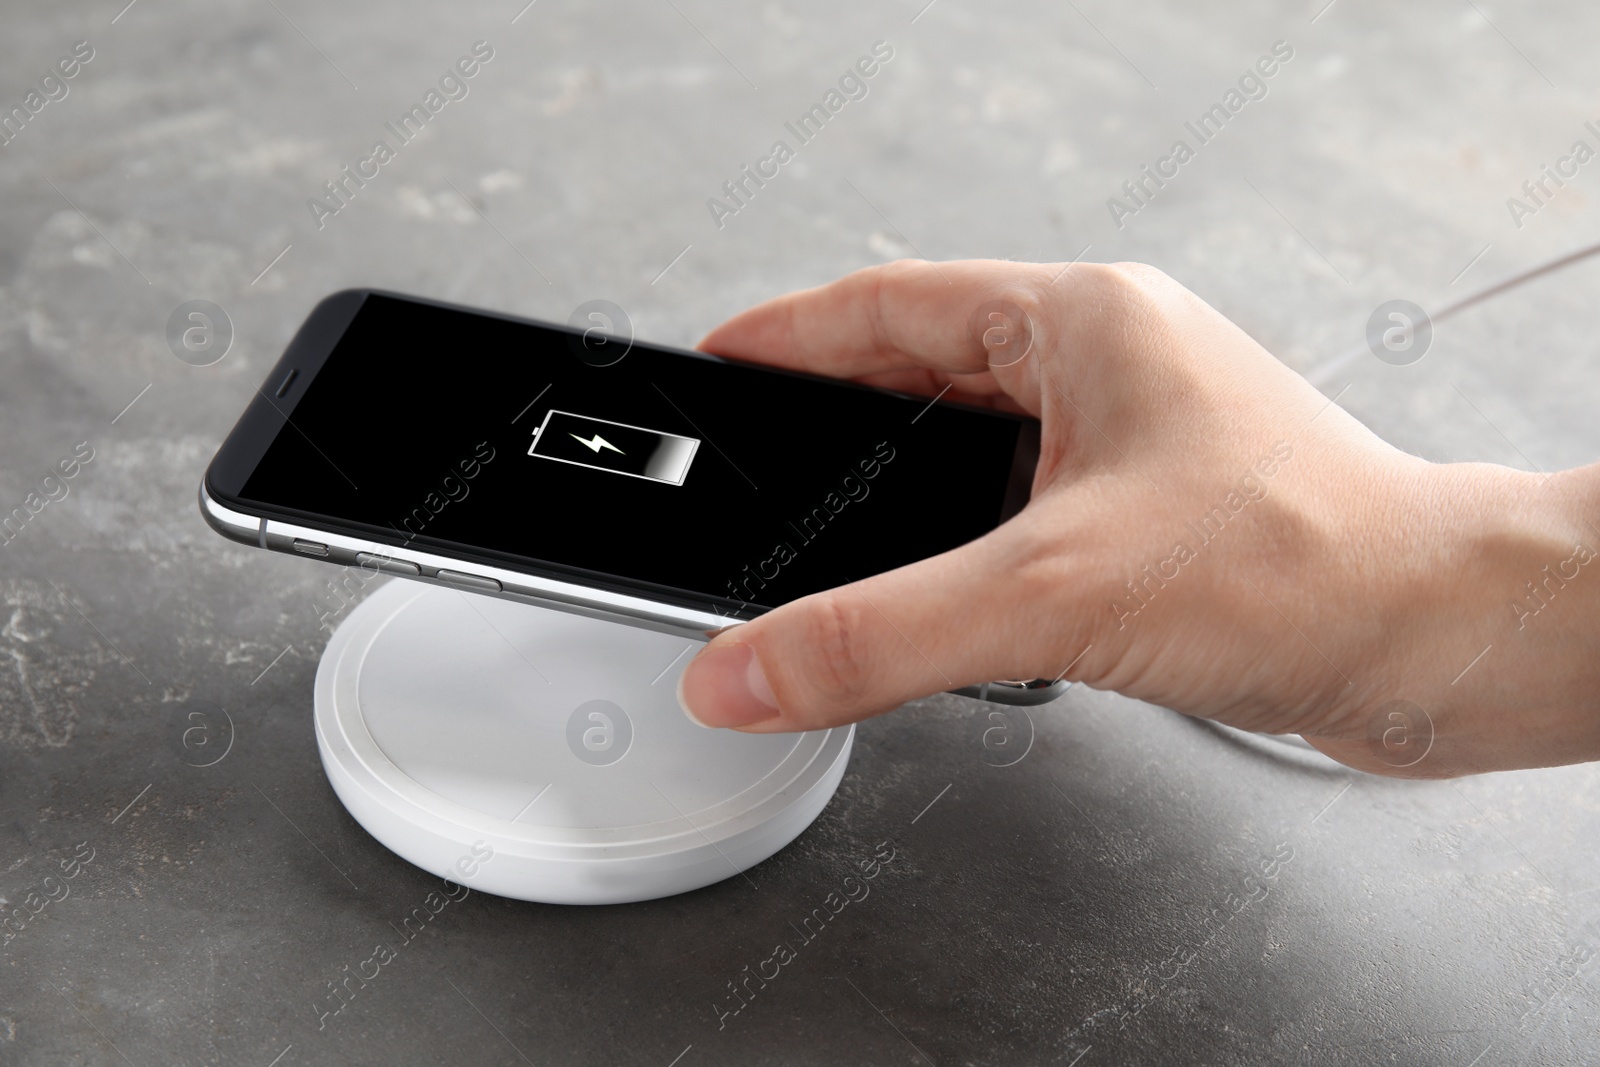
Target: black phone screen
(575, 454)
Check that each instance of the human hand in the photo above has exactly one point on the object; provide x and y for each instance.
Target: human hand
(1206, 532)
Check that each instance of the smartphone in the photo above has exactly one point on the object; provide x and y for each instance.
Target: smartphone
(580, 470)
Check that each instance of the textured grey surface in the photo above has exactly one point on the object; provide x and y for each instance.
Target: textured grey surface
(1078, 907)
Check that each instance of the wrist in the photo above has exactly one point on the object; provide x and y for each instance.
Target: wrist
(1499, 617)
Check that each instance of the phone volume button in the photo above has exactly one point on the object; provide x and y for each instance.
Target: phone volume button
(387, 565)
(474, 582)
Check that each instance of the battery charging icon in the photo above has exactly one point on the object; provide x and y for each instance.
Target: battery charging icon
(617, 447)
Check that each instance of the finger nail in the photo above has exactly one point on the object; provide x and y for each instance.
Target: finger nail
(725, 687)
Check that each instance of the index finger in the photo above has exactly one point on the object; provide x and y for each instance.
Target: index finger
(911, 313)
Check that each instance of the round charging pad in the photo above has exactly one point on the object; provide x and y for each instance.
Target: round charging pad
(540, 755)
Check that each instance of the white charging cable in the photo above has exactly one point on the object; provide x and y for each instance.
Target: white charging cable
(1324, 373)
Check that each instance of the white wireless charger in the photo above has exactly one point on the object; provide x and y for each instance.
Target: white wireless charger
(540, 755)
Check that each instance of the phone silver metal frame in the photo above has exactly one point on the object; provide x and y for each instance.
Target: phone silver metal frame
(376, 558)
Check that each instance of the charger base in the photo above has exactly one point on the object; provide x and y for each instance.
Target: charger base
(538, 755)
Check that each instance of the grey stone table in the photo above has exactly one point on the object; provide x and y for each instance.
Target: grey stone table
(1138, 889)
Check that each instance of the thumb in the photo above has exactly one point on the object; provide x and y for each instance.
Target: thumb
(866, 648)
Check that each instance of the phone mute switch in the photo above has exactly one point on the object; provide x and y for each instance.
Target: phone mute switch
(473, 582)
(310, 548)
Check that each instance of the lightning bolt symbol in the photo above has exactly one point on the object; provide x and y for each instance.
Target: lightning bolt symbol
(597, 444)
